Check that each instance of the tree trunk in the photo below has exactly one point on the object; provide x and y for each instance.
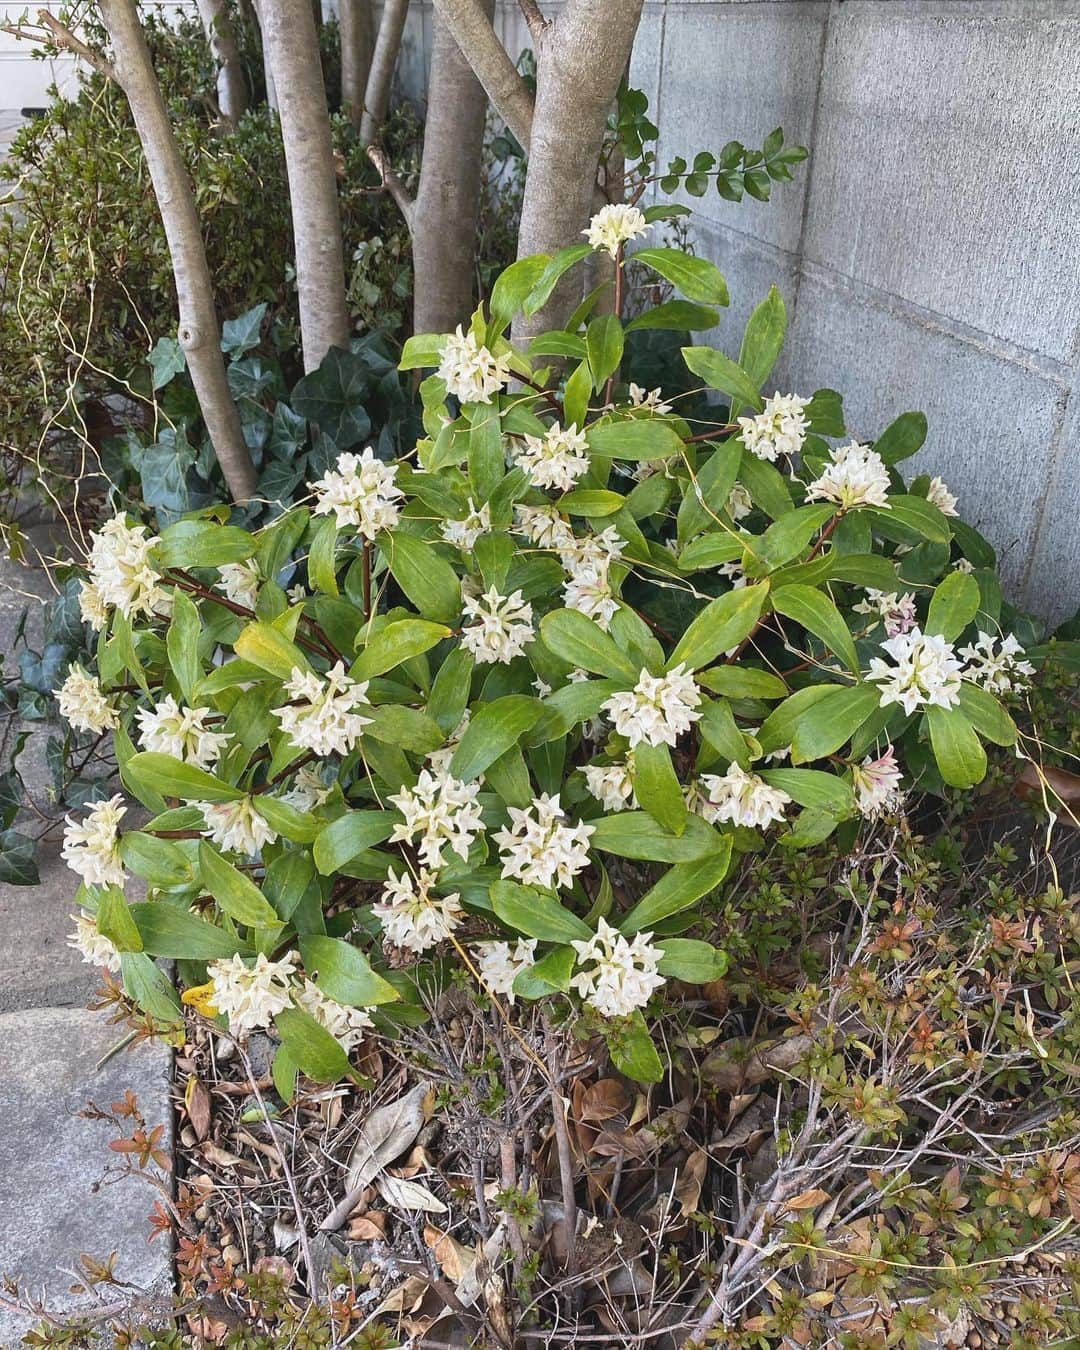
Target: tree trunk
(198, 330)
(580, 61)
(357, 26)
(289, 33)
(381, 76)
(448, 197)
(268, 74)
(508, 92)
(232, 90)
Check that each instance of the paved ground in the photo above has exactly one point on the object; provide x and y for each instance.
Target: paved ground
(51, 1162)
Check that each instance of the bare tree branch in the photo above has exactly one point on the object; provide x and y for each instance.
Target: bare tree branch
(538, 25)
(67, 39)
(392, 183)
(381, 75)
(491, 64)
(232, 89)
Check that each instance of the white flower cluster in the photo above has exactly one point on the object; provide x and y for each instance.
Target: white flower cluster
(500, 964)
(92, 849)
(588, 564)
(239, 582)
(896, 612)
(544, 527)
(779, 429)
(612, 785)
(84, 704)
(411, 916)
(541, 849)
(346, 1024)
(470, 372)
(443, 811)
(857, 476)
(237, 825)
(743, 798)
(361, 492)
(251, 996)
(183, 733)
(307, 790)
(997, 664)
(614, 225)
(653, 399)
(325, 716)
(926, 671)
(739, 503)
(877, 784)
(463, 534)
(658, 709)
(555, 460)
(622, 973)
(95, 948)
(121, 574)
(941, 497)
(501, 626)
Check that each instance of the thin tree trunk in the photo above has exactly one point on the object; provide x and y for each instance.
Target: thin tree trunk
(580, 61)
(198, 330)
(268, 74)
(232, 89)
(357, 25)
(289, 32)
(448, 197)
(383, 63)
(508, 92)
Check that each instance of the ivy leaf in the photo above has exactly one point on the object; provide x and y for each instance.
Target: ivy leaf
(333, 396)
(167, 360)
(241, 334)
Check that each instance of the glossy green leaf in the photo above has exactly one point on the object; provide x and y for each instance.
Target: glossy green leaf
(679, 888)
(236, 893)
(961, 760)
(818, 615)
(344, 972)
(720, 626)
(536, 914)
(493, 729)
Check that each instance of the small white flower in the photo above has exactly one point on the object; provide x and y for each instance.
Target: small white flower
(239, 582)
(733, 572)
(926, 672)
(896, 612)
(169, 729)
(92, 607)
(251, 996)
(622, 973)
(412, 917)
(999, 667)
(84, 704)
(501, 626)
(592, 550)
(326, 716)
(500, 964)
(470, 372)
(653, 399)
(555, 460)
(614, 225)
(296, 594)
(941, 497)
(857, 476)
(463, 534)
(236, 825)
(345, 1023)
(877, 784)
(542, 687)
(588, 590)
(964, 565)
(543, 526)
(779, 429)
(96, 948)
(92, 849)
(307, 790)
(121, 573)
(739, 503)
(439, 760)
(658, 709)
(360, 492)
(443, 811)
(742, 798)
(541, 849)
(612, 785)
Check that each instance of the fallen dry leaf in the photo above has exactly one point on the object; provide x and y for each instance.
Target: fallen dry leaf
(407, 1297)
(454, 1257)
(732, 1069)
(691, 1180)
(404, 1194)
(369, 1227)
(1037, 782)
(603, 1100)
(197, 1106)
(807, 1200)
(384, 1136)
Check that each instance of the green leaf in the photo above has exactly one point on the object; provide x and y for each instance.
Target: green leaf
(333, 396)
(657, 788)
(707, 497)
(742, 682)
(604, 344)
(634, 834)
(202, 543)
(492, 730)
(408, 728)
(583, 643)
(558, 343)
(115, 921)
(720, 626)
(766, 485)
(170, 930)
(284, 1070)
(395, 644)
(549, 278)
(311, 1047)
(953, 605)
(150, 987)
(910, 520)
(961, 760)
(486, 458)
(426, 578)
(576, 395)
(631, 1048)
(551, 974)
(721, 735)
(299, 826)
(987, 715)
(592, 503)
(679, 315)
(763, 339)
(825, 727)
(697, 278)
(864, 569)
(711, 550)
(159, 861)
(568, 707)
(679, 888)
(347, 837)
(423, 351)
(242, 334)
(170, 777)
(236, 894)
(166, 360)
(512, 287)
(450, 689)
(268, 648)
(903, 438)
(288, 880)
(787, 537)
(778, 729)
(344, 972)
(634, 438)
(182, 644)
(818, 615)
(813, 788)
(321, 557)
(722, 373)
(536, 914)
(691, 961)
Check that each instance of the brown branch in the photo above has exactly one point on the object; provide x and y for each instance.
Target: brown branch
(491, 64)
(534, 17)
(66, 38)
(392, 183)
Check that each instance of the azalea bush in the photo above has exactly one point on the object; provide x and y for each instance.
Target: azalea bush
(507, 706)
